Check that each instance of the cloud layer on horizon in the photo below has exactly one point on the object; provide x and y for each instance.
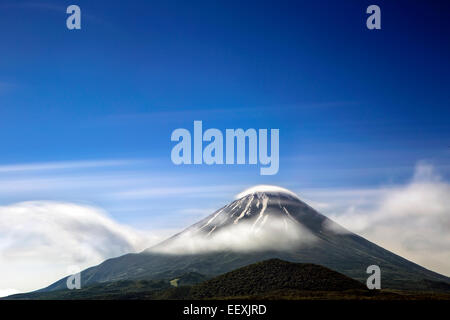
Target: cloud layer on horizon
(40, 240)
(411, 220)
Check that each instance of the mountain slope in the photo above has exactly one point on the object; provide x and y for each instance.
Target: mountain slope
(262, 224)
(269, 279)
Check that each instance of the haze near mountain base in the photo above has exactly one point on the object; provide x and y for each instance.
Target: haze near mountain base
(251, 223)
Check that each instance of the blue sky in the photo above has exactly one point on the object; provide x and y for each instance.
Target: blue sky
(86, 116)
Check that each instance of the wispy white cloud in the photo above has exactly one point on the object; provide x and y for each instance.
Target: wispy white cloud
(412, 220)
(134, 190)
(40, 240)
(8, 292)
(203, 191)
(50, 166)
(335, 201)
(274, 234)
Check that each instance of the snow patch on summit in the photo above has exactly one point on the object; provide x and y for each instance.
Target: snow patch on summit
(266, 189)
(247, 207)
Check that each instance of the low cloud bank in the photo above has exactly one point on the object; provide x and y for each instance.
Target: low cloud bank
(412, 221)
(40, 240)
(272, 234)
(8, 292)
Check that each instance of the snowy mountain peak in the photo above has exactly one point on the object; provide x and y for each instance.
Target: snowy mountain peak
(256, 209)
(260, 218)
(267, 190)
